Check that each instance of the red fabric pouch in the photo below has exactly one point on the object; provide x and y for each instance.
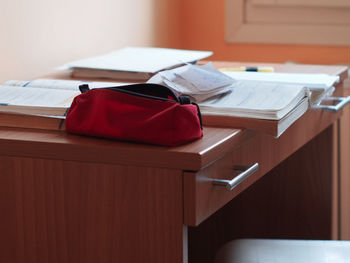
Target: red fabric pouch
(147, 113)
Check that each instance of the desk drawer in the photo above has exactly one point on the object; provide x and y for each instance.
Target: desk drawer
(202, 198)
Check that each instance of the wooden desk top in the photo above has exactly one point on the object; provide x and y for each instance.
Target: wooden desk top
(194, 156)
(63, 146)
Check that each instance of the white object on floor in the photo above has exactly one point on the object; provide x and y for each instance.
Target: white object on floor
(284, 251)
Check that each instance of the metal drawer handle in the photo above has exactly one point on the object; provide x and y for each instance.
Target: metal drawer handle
(230, 184)
(342, 101)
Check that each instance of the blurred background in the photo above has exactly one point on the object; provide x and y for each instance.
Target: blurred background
(39, 35)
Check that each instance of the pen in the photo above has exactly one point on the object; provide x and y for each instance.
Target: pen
(4, 104)
(252, 69)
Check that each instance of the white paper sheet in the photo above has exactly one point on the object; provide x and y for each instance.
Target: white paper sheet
(140, 59)
(257, 100)
(312, 81)
(24, 96)
(198, 82)
(62, 84)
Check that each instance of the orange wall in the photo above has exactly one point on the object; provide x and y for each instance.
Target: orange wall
(203, 26)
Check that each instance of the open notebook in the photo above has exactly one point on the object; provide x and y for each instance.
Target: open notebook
(268, 102)
(320, 85)
(43, 96)
(268, 107)
(36, 101)
(40, 104)
(252, 99)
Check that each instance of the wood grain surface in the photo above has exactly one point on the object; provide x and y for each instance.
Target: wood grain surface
(67, 198)
(344, 183)
(62, 146)
(293, 200)
(262, 148)
(60, 211)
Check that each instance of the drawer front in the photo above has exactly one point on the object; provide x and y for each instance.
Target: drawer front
(202, 198)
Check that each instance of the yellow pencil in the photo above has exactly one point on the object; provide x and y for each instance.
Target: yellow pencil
(252, 69)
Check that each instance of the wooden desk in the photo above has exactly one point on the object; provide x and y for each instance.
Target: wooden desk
(67, 198)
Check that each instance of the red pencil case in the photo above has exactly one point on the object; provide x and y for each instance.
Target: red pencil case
(147, 113)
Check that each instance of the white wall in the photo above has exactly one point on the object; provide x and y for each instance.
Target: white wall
(38, 35)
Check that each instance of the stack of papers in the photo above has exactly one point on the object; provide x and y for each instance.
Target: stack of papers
(134, 63)
(198, 82)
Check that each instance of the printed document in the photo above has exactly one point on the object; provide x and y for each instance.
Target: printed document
(199, 82)
(320, 85)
